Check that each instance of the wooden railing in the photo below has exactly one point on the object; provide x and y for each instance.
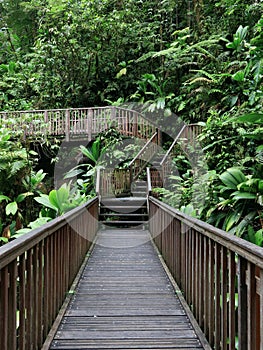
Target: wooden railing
(36, 272)
(78, 121)
(113, 182)
(149, 181)
(156, 177)
(220, 275)
(143, 157)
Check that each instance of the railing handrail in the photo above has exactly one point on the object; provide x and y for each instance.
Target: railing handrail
(36, 272)
(142, 149)
(13, 249)
(78, 109)
(175, 141)
(149, 182)
(97, 189)
(57, 109)
(79, 121)
(172, 145)
(219, 275)
(246, 249)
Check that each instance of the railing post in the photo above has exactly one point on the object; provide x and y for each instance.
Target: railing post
(98, 182)
(113, 116)
(67, 125)
(89, 125)
(48, 126)
(149, 182)
(113, 113)
(135, 125)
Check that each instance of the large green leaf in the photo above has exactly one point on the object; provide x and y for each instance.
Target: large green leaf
(62, 195)
(239, 76)
(22, 196)
(73, 173)
(232, 177)
(39, 222)
(59, 198)
(11, 208)
(252, 118)
(244, 223)
(53, 198)
(44, 200)
(232, 219)
(243, 195)
(4, 198)
(88, 153)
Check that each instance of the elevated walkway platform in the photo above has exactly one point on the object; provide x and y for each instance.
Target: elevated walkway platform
(125, 300)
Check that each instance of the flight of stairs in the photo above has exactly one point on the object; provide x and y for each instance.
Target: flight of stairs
(124, 212)
(130, 209)
(139, 188)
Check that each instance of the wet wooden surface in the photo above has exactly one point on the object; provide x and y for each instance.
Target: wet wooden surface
(125, 300)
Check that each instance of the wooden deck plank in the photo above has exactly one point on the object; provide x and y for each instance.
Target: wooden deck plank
(125, 300)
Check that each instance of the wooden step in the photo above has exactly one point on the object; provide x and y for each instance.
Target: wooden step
(121, 207)
(122, 223)
(123, 214)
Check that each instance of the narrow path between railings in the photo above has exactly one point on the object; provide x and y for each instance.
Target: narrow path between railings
(125, 300)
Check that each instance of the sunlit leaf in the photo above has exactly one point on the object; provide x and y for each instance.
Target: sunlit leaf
(11, 208)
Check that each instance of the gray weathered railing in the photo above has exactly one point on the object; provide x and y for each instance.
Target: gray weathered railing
(36, 272)
(149, 181)
(220, 275)
(78, 122)
(187, 137)
(143, 157)
(113, 182)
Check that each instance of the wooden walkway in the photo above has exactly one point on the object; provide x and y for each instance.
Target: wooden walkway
(125, 300)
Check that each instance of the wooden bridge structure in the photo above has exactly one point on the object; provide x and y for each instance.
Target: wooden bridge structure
(77, 122)
(130, 272)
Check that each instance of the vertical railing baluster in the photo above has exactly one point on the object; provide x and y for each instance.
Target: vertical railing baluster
(223, 294)
(4, 311)
(40, 295)
(242, 304)
(251, 304)
(35, 309)
(22, 302)
(29, 297)
(12, 306)
(217, 297)
(232, 299)
(67, 125)
(211, 302)
(261, 309)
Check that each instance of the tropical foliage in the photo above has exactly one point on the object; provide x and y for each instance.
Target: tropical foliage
(199, 59)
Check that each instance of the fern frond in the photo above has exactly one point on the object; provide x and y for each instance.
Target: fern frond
(200, 80)
(16, 167)
(198, 90)
(166, 52)
(214, 91)
(191, 63)
(237, 63)
(205, 73)
(145, 57)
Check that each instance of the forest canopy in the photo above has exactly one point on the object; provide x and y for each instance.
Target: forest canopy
(192, 55)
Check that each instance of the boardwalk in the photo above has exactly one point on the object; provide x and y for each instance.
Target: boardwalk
(125, 300)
